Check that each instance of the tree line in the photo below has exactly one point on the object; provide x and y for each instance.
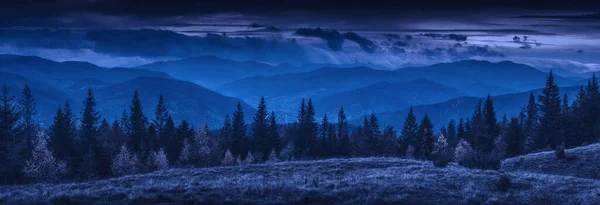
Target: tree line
(90, 147)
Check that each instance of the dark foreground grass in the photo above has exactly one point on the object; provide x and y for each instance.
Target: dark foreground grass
(579, 162)
(334, 181)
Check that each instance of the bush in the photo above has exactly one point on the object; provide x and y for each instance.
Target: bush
(479, 160)
(560, 152)
(441, 159)
(503, 183)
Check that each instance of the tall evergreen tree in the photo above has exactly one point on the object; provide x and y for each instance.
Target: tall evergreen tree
(13, 146)
(425, 138)
(274, 139)
(532, 140)
(451, 136)
(409, 132)
(260, 130)
(460, 129)
(322, 143)
(87, 144)
(489, 129)
(226, 140)
(300, 142)
(550, 113)
(137, 123)
(161, 115)
(240, 141)
(388, 141)
(89, 123)
(515, 138)
(342, 134)
(27, 109)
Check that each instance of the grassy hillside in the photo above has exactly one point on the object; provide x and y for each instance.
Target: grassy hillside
(334, 181)
(583, 162)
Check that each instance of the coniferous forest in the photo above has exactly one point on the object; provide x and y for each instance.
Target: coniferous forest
(82, 145)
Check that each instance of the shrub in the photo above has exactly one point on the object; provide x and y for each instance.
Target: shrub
(480, 160)
(158, 160)
(272, 157)
(228, 159)
(560, 152)
(503, 183)
(125, 163)
(43, 167)
(462, 149)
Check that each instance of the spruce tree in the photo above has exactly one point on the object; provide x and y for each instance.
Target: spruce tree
(388, 142)
(515, 138)
(532, 140)
(12, 145)
(451, 136)
(240, 141)
(342, 134)
(489, 129)
(460, 130)
(161, 115)
(321, 145)
(425, 138)
(27, 109)
(137, 123)
(311, 130)
(550, 113)
(274, 139)
(260, 131)
(409, 132)
(89, 124)
(226, 140)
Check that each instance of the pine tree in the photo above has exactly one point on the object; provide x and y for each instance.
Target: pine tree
(27, 109)
(311, 130)
(342, 135)
(388, 143)
(489, 129)
(137, 122)
(13, 146)
(515, 138)
(161, 115)
(460, 130)
(550, 113)
(451, 136)
(260, 130)
(425, 138)
(169, 140)
(184, 133)
(409, 132)
(89, 122)
(240, 141)
(227, 134)
(321, 145)
(532, 139)
(274, 139)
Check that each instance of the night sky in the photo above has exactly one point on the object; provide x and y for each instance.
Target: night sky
(385, 34)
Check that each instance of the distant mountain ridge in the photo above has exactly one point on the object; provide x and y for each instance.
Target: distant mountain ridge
(53, 84)
(212, 71)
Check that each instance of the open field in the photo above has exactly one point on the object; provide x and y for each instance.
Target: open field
(580, 162)
(333, 181)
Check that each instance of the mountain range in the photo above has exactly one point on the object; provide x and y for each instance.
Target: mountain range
(55, 83)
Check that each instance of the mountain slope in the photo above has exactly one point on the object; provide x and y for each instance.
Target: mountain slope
(47, 98)
(184, 100)
(506, 74)
(332, 181)
(442, 113)
(385, 97)
(582, 162)
(51, 72)
(474, 78)
(211, 71)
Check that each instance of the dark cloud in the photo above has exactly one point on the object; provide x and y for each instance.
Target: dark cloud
(364, 43)
(591, 17)
(335, 40)
(455, 37)
(526, 42)
(159, 43)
